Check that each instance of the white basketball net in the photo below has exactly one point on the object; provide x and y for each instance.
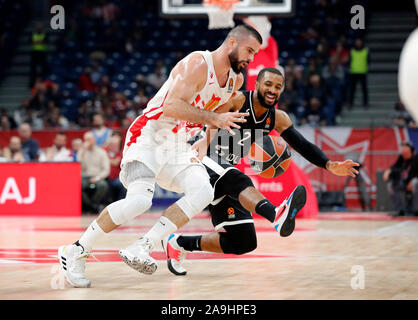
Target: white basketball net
(220, 13)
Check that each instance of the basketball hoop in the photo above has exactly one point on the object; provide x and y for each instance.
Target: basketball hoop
(220, 13)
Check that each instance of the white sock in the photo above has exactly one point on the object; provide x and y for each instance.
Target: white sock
(163, 228)
(93, 232)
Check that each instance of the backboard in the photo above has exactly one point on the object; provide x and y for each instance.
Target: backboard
(195, 8)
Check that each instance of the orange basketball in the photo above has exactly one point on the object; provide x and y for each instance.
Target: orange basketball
(270, 156)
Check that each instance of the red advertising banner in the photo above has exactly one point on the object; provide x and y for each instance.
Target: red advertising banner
(40, 189)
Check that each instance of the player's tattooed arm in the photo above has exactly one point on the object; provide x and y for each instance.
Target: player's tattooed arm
(308, 150)
(190, 77)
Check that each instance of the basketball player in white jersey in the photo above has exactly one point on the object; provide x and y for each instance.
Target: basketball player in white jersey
(156, 150)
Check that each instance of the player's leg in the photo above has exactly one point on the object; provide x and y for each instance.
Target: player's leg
(239, 186)
(140, 182)
(193, 181)
(238, 238)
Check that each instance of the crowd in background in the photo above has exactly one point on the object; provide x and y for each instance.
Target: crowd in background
(320, 61)
(99, 153)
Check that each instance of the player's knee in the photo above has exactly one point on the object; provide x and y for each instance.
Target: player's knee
(244, 240)
(238, 182)
(138, 200)
(246, 244)
(196, 198)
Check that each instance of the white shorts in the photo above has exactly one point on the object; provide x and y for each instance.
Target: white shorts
(165, 156)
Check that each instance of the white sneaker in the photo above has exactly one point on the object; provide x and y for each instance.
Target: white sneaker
(73, 262)
(137, 256)
(175, 255)
(284, 223)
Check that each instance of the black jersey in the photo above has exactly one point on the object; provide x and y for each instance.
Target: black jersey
(227, 148)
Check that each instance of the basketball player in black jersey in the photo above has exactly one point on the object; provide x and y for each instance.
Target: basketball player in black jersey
(235, 195)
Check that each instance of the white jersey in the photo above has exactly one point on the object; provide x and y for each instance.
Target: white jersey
(209, 98)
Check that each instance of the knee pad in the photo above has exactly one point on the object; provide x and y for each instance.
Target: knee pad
(238, 239)
(138, 200)
(235, 181)
(198, 192)
(135, 171)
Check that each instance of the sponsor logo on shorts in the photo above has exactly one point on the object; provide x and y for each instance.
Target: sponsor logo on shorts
(231, 213)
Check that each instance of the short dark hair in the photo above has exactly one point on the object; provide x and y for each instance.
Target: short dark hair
(270, 69)
(60, 133)
(245, 29)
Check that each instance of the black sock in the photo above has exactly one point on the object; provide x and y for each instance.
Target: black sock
(266, 209)
(190, 243)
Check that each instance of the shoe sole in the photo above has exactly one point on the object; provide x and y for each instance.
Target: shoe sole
(146, 267)
(170, 265)
(297, 203)
(63, 265)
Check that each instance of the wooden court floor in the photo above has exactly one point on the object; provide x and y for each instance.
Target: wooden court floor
(338, 256)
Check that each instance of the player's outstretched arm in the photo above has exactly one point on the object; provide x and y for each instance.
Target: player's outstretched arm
(190, 77)
(309, 151)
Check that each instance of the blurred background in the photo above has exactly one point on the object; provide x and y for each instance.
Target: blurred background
(98, 74)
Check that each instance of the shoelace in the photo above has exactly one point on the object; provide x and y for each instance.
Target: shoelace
(79, 264)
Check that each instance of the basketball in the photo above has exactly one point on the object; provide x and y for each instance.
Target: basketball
(269, 157)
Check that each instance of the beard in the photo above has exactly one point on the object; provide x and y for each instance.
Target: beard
(263, 101)
(235, 62)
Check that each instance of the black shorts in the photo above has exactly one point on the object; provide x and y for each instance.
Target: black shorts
(226, 210)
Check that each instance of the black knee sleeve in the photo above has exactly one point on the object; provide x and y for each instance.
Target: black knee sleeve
(238, 239)
(233, 182)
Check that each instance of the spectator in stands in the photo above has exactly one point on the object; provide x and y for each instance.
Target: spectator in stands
(95, 168)
(116, 189)
(311, 69)
(290, 96)
(333, 71)
(26, 114)
(141, 99)
(29, 146)
(58, 151)
(402, 181)
(322, 50)
(120, 102)
(39, 99)
(6, 122)
(85, 82)
(76, 145)
(38, 54)
(340, 54)
(55, 120)
(316, 89)
(157, 78)
(313, 116)
(143, 85)
(293, 69)
(100, 132)
(14, 152)
(401, 117)
(359, 60)
(84, 114)
(105, 83)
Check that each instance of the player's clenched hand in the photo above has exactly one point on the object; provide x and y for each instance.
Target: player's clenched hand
(228, 119)
(343, 168)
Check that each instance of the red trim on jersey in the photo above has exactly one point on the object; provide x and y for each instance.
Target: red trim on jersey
(136, 128)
